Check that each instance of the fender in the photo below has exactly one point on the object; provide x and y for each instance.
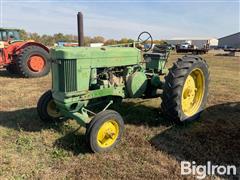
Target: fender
(30, 43)
(15, 47)
(8, 51)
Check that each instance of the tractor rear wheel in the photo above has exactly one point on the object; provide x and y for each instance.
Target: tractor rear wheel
(33, 61)
(185, 89)
(104, 131)
(47, 109)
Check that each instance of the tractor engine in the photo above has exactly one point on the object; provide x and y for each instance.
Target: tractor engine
(106, 77)
(132, 78)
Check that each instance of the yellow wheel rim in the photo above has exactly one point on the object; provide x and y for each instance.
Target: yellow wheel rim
(108, 133)
(52, 110)
(193, 92)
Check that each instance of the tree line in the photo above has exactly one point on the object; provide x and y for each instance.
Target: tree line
(50, 40)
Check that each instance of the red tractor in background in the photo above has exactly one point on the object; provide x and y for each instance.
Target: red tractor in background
(25, 58)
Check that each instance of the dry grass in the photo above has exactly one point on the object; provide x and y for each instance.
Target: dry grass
(151, 148)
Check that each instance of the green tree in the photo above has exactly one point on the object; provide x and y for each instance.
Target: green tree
(130, 40)
(87, 41)
(159, 42)
(110, 42)
(59, 37)
(23, 34)
(35, 37)
(97, 39)
(47, 40)
(123, 41)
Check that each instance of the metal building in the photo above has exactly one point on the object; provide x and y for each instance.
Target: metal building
(230, 41)
(198, 42)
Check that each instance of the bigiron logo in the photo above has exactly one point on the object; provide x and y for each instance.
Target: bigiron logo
(201, 171)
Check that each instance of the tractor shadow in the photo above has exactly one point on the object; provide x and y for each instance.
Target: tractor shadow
(5, 73)
(133, 113)
(214, 138)
(139, 114)
(22, 119)
(74, 141)
(27, 120)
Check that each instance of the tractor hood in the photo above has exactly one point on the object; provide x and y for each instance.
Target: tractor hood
(98, 56)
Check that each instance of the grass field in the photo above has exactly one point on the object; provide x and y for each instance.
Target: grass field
(151, 148)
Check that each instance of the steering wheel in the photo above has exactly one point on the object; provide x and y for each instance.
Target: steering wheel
(143, 38)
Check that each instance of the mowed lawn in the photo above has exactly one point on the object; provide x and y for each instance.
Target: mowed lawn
(152, 147)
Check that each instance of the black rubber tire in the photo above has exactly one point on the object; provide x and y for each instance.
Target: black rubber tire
(25, 54)
(12, 68)
(42, 108)
(95, 124)
(172, 90)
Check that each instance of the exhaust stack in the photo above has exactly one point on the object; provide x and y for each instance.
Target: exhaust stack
(80, 29)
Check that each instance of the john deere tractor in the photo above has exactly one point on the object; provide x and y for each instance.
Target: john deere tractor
(85, 76)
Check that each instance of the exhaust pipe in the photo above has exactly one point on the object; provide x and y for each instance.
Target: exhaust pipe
(80, 29)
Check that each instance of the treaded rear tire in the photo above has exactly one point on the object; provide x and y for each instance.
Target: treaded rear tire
(22, 61)
(172, 90)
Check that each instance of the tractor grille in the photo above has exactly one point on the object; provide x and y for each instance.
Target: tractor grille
(67, 74)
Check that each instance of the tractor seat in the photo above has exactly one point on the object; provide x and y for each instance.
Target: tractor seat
(160, 49)
(155, 55)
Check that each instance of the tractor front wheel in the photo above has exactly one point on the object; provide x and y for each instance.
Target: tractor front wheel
(47, 109)
(104, 131)
(33, 61)
(185, 89)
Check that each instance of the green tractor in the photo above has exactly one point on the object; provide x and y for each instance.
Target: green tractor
(84, 77)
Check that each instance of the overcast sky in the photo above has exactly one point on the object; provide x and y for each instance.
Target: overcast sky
(125, 18)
